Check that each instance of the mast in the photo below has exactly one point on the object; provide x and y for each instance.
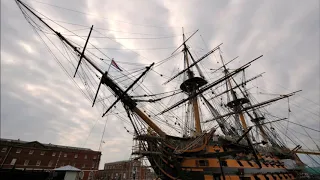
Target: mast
(257, 105)
(207, 87)
(106, 80)
(236, 103)
(190, 86)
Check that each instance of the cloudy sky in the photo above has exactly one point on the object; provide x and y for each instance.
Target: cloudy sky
(39, 101)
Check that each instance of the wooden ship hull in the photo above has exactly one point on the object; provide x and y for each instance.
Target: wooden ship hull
(214, 158)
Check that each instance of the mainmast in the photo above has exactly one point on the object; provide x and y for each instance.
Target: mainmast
(190, 86)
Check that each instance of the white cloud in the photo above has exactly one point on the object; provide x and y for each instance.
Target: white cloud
(26, 47)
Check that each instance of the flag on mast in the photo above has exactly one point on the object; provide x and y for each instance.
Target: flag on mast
(114, 64)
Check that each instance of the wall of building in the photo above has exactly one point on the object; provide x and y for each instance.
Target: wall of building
(122, 170)
(34, 155)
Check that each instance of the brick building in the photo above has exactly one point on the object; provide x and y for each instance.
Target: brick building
(122, 170)
(38, 156)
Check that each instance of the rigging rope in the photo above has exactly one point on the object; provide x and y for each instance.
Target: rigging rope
(84, 77)
(119, 21)
(288, 118)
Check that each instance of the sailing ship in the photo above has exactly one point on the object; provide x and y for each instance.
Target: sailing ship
(212, 139)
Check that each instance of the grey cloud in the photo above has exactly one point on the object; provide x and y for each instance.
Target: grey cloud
(286, 33)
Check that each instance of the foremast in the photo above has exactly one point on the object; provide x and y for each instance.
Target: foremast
(237, 103)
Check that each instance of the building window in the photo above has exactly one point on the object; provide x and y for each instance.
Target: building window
(42, 153)
(94, 157)
(76, 156)
(18, 151)
(54, 154)
(85, 156)
(26, 162)
(4, 149)
(13, 161)
(50, 163)
(31, 151)
(92, 165)
(84, 165)
(74, 164)
(38, 163)
(65, 155)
